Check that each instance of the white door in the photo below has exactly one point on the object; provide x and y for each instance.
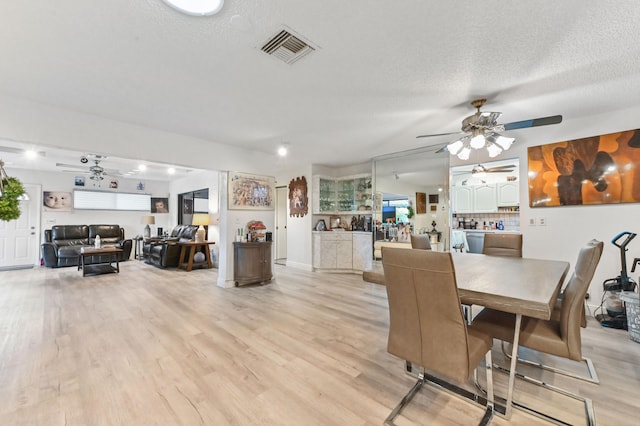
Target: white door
(19, 239)
(282, 196)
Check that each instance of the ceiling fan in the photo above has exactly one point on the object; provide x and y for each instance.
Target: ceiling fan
(481, 130)
(96, 171)
(479, 170)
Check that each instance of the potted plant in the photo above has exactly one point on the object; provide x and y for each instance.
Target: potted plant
(11, 192)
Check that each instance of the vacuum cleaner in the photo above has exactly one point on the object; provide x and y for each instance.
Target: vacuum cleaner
(615, 316)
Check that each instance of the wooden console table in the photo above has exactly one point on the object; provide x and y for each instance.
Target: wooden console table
(192, 247)
(103, 267)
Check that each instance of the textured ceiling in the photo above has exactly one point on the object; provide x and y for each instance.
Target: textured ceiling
(383, 72)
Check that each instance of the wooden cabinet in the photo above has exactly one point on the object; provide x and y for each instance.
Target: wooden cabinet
(342, 251)
(508, 194)
(252, 262)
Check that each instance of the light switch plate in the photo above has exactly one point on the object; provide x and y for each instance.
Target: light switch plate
(532, 221)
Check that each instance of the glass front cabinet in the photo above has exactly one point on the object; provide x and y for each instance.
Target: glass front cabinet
(345, 195)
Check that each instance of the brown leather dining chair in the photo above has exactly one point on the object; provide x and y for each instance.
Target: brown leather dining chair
(502, 244)
(557, 336)
(426, 327)
(420, 242)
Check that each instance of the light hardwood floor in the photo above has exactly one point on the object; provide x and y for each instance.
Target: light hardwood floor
(152, 346)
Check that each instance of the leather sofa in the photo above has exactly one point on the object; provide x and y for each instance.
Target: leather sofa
(63, 243)
(165, 252)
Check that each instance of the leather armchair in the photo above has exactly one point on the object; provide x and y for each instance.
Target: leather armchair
(426, 325)
(166, 252)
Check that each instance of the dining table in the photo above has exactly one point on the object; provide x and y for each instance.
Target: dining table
(521, 286)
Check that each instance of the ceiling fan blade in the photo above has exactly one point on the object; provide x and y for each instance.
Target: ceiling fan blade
(439, 134)
(535, 122)
(442, 149)
(499, 171)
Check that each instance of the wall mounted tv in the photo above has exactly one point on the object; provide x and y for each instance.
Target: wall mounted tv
(103, 200)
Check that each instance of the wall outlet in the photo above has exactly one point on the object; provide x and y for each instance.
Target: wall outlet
(542, 221)
(532, 221)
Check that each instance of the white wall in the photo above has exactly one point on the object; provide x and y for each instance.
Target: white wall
(299, 228)
(129, 220)
(570, 227)
(43, 125)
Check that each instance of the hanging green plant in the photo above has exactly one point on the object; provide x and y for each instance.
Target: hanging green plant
(411, 212)
(12, 189)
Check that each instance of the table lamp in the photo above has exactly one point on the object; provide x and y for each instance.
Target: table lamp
(200, 219)
(148, 220)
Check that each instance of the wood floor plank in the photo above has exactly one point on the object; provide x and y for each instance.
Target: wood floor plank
(154, 346)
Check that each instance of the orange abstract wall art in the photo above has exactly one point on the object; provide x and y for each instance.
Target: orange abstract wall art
(596, 170)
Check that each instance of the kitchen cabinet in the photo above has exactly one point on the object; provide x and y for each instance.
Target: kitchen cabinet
(252, 262)
(508, 194)
(342, 251)
(462, 199)
(485, 200)
(474, 199)
(345, 195)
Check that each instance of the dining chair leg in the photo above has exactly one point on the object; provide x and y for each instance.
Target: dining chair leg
(593, 375)
(407, 398)
(488, 414)
(588, 403)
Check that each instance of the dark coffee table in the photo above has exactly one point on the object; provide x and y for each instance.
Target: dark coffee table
(103, 267)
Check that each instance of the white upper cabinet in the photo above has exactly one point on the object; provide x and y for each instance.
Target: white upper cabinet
(508, 194)
(485, 199)
(462, 200)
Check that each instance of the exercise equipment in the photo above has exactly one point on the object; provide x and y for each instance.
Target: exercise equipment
(615, 316)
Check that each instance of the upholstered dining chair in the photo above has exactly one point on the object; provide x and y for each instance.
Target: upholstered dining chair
(502, 244)
(427, 328)
(420, 242)
(558, 336)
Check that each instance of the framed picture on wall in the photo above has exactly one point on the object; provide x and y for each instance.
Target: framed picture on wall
(250, 192)
(421, 202)
(57, 201)
(79, 181)
(159, 205)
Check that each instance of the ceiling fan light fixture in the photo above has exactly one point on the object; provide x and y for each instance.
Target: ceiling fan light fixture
(464, 153)
(455, 147)
(494, 150)
(504, 142)
(478, 140)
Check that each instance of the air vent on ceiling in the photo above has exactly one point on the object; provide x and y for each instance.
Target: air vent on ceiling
(287, 47)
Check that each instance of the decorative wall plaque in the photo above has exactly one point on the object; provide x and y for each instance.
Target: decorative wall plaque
(298, 201)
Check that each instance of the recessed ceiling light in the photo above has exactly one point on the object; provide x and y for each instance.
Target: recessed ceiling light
(142, 167)
(31, 153)
(196, 7)
(282, 151)
(171, 170)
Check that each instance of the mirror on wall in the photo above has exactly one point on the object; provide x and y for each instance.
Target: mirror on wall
(412, 196)
(485, 196)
